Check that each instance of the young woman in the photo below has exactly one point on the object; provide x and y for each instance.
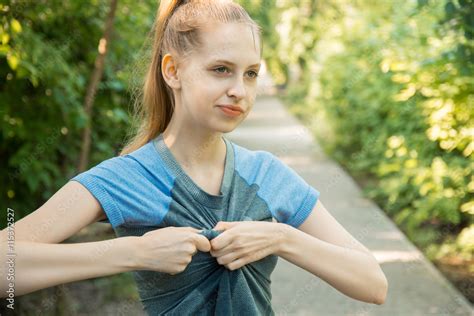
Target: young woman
(199, 220)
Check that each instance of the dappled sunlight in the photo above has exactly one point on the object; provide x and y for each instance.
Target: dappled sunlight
(391, 256)
(296, 160)
(391, 235)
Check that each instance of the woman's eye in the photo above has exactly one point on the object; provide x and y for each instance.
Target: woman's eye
(255, 74)
(220, 68)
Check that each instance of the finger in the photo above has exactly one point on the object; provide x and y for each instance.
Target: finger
(228, 258)
(237, 264)
(193, 229)
(224, 225)
(202, 243)
(221, 226)
(221, 252)
(221, 241)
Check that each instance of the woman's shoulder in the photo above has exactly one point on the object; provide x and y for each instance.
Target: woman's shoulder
(129, 184)
(245, 156)
(254, 166)
(289, 197)
(141, 161)
(263, 165)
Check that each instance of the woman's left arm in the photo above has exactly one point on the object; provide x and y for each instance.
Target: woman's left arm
(320, 245)
(323, 247)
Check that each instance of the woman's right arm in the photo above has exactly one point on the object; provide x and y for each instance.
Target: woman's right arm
(41, 265)
(40, 261)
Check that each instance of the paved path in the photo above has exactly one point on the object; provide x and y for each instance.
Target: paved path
(415, 285)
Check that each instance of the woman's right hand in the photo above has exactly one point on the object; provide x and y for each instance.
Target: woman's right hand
(170, 249)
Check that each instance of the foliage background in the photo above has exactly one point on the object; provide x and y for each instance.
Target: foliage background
(386, 88)
(391, 88)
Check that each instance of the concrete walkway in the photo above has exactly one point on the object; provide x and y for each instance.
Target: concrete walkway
(416, 287)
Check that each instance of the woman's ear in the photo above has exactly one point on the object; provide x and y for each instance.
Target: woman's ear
(169, 71)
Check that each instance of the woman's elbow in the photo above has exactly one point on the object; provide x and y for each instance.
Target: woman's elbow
(382, 289)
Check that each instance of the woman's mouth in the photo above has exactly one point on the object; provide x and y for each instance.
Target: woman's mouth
(230, 112)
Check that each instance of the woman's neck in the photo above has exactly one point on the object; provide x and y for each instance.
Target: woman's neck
(193, 149)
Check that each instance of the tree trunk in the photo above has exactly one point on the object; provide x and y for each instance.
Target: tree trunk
(92, 88)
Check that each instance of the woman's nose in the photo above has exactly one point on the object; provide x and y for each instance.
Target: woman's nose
(238, 89)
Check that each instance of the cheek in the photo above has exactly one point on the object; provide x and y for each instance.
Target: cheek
(252, 95)
(205, 94)
(200, 84)
(208, 92)
(200, 100)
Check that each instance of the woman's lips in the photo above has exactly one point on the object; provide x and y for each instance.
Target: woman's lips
(230, 112)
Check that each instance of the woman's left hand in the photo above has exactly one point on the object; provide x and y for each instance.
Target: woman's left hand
(241, 243)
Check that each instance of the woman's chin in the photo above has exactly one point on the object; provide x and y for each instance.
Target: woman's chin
(229, 127)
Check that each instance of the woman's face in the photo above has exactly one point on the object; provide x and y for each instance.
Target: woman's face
(222, 72)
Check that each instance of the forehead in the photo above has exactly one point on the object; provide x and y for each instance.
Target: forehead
(234, 42)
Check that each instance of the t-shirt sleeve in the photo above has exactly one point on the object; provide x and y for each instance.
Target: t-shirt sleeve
(106, 181)
(291, 198)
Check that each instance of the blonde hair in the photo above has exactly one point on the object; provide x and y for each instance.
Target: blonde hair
(176, 31)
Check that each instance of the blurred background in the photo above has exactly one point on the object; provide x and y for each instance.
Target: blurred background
(387, 88)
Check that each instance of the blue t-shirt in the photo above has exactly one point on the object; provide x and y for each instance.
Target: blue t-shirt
(147, 190)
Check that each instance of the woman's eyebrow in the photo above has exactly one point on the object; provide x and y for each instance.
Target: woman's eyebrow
(232, 64)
